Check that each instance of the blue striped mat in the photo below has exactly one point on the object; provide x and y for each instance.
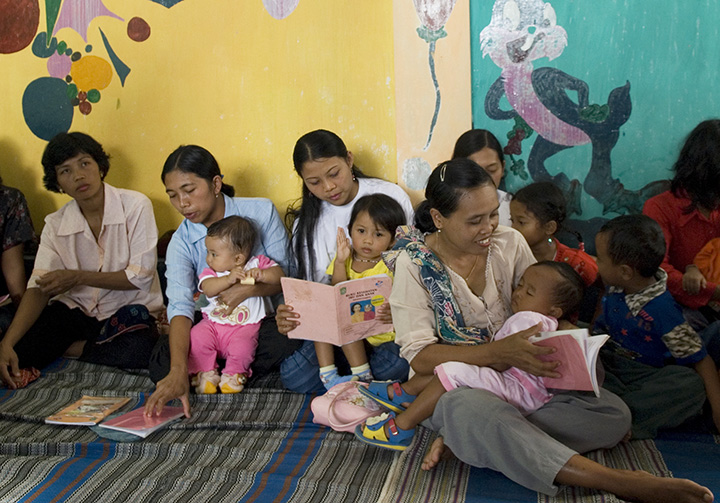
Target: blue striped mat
(260, 446)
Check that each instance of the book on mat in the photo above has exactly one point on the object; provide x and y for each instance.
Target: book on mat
(577, 351)
(137, 423)
(87, 411)
(338, 314)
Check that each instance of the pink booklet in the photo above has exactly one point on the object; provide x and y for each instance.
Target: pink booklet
(338, 314)
(577, 352)
(137, 423)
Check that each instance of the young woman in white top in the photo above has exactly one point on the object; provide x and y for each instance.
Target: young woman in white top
(331, 185)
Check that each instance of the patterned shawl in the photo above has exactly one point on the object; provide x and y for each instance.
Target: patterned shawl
(449, 321)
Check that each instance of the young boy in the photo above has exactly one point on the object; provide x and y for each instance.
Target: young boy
(651, 344)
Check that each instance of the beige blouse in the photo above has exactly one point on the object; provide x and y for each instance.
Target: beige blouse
(127, 242)
(412, 310)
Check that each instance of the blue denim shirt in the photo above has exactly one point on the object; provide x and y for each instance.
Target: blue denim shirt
(186, 252)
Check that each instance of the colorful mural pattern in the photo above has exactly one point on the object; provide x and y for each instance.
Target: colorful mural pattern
(75, 76)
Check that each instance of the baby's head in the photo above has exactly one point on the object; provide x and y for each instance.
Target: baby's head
(372, 225)
(229, 243)
(538, 211)
(550, 288)
(629, 248)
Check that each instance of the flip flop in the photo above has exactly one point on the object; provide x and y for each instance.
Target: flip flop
(373, 433)
(377, 391)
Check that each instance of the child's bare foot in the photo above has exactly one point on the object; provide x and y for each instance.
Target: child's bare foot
(644, 487)
(437, 452)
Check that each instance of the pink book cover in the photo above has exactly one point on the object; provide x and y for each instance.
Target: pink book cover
(577, 353)
(137, 423)
(338, 314)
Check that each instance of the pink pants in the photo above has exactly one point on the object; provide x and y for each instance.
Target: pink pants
(524, 391)
(235, 343)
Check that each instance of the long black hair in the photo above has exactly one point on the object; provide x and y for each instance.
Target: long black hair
(697, 170)
(446, 185)
(302, 219)
(475, 140)
(198, 161)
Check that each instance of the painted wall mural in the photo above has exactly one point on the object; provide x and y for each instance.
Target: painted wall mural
(574, 88)
(76, 76)
(433, 15)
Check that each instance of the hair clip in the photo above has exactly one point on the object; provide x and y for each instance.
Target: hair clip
(442, 172)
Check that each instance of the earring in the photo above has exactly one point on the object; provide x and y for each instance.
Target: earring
(353, 175)
(439, 231)
(550, 241)
(217, 195)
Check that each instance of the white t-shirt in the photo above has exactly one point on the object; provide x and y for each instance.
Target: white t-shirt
(504, 210)
(332, 217)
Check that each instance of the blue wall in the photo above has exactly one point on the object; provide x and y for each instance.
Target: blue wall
(668, 51)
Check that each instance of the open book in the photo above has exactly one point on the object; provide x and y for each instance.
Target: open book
(137, 423)
(577, 352)
(338, 314)
(87, 411)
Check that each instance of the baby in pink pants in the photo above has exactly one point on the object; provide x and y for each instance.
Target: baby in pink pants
(230, 335)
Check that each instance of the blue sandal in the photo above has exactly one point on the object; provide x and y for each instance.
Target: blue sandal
(373, 433)
(377, 391)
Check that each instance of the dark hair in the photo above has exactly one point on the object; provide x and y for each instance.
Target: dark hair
(385, 211)
(446, 185)
(318, 144)
(198, 161)
(352, 306)
(697, 170)
(474, 141)
(637, 241)
(238, 231)
(545, 200)
(568, 292)
(64, 146)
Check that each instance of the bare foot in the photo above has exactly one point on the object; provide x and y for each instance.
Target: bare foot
(437, 452)
(644, 487)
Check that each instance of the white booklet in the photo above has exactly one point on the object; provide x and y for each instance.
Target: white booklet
(577, 351)
(137, 423)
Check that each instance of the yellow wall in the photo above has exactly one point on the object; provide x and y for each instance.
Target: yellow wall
(226, 75)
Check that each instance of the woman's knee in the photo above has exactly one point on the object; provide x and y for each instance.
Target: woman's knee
(387, 364)
(300, 371)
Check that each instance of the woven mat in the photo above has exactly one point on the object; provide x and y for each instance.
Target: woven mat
(261, 445)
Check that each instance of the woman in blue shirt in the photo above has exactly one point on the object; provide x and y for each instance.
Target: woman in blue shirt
(194, 185)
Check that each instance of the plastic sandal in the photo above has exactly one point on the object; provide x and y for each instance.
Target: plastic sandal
(377, 391)
(373, 433)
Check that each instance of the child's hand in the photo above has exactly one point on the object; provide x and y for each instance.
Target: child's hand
(344, 249)
(693, 280)
(383, 313)
(256, 274)
(236, 274)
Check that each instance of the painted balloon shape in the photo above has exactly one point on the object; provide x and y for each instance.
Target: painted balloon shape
(280, 9)
(434, 14)
(46, 107)
(18, 24)
(59, 65)
(91, 72)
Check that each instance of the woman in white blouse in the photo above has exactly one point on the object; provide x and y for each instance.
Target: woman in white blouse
(94, 289)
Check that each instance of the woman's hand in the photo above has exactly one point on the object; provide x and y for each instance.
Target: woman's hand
(383, 313)
(56, 282)
(8, 358)
(174, 385)
(234, 295)
(344, 248)
(287, 320)
(517, 351)
(693, 280)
